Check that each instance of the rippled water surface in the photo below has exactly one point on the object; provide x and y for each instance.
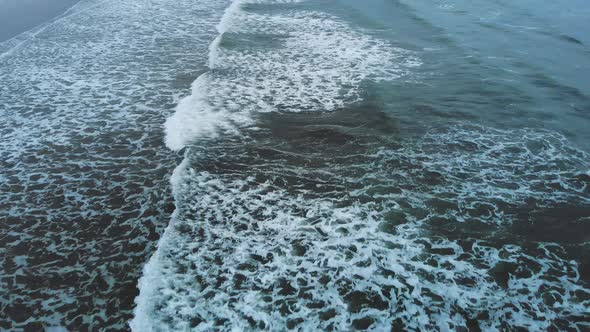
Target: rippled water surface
(316, 165)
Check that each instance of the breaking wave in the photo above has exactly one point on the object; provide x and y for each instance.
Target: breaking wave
(299, 206)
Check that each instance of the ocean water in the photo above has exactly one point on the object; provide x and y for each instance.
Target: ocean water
(18, 16)
(308, 165)
(84, 190)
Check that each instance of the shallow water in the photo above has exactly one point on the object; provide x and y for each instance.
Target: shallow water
(341, 165)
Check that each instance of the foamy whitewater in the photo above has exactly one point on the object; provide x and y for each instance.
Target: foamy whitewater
(334, 166)
(297, 207)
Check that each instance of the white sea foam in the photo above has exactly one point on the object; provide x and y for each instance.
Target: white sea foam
(10, 46)
(152, 270)
(257, 243)
(347, 245)
(294, 61)
(196, 117)
(82, 102)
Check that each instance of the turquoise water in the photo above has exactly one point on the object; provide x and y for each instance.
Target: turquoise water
(333, 165)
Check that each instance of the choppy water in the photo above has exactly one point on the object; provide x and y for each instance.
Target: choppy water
(343, 165)
(84, 188)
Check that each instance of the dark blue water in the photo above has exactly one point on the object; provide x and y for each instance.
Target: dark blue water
(340, 165)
